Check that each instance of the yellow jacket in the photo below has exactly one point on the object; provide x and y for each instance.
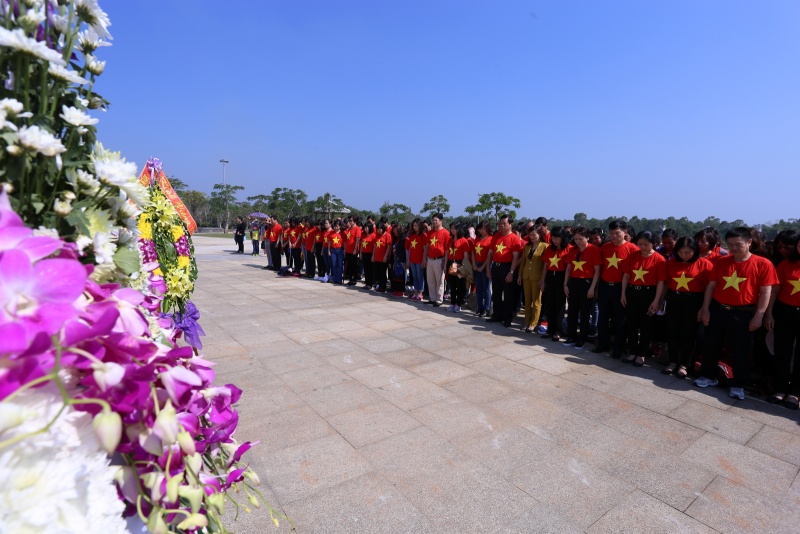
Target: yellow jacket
(530, 268)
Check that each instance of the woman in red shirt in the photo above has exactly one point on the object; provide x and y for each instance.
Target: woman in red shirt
(580, 286)
(552, 281)
(380, 255)
(367, 247)
(687, 275)
(642, 285)
(415, 247)
(480, 266)
(783, 318)
(459, 253)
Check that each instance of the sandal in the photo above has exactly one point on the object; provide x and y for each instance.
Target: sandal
(629, 359)
(639, 361)
(668, 370)
(681, 372)
(792, 402)
(776, 398)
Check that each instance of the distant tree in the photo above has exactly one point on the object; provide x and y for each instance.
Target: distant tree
(327, 206)
(223, 200)
(198, 205)
(396, 211)
(493, 204)
(284, 202)
(580, 219)
(258, 203)
(178, 185)
(437, 204)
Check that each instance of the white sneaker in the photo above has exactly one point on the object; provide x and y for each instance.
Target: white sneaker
(457, 309)
(451, 308)
(324, 279)
(704, 382)
(737, 393)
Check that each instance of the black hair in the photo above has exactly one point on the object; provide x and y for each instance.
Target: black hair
(485, 224)
(790, 238)
(565, 236)
(618, 224)
(647, 235)
(739, 231)
(542, 221)
(582, 230)
(506, 216)
(711, 235)
(369, 228)
(687, 242)
(669, 232)
(438, 216)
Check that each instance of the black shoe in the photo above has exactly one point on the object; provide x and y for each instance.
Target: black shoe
(437, 304)
(616, 355)
(507, 324)
(599, 350)
(579, 345)
(494, 320)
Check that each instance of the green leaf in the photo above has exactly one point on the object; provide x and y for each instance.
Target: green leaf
(79, 218)
(126, 260)
(38, 206)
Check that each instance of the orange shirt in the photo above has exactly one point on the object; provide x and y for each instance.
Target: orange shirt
(275, 232)
(789, 276)
(556, 259)
(584, 268)
(643, 271)
(504, 246)
(415, 245)
(611, 270)
(481, 249)
(688, 277)
(739, 283)
(437, 241)
(367, 243)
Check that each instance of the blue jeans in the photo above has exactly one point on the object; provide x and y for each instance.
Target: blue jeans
(337, 257)
(483, 290)
(328, 263)
(418, 274)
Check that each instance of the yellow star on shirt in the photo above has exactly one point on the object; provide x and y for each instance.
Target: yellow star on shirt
(292, 232)
(795, 285)
(613, 261)
(305, 235)
(378, 244)
(319, 237)
(500, 248)
(271, 235)
(336, 240)
(413, 243)
(347, 234)
(452, 251)
(639, 274)
(478, 249)
(554, 261)
(433, 241)
(733, 281)
(578, 265)
(683, 281)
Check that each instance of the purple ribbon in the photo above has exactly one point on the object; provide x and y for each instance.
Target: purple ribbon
(153, 166)
(188, 323)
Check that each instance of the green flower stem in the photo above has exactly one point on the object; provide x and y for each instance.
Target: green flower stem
(32, 383)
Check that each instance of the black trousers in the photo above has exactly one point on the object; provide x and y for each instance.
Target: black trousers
(787, 347)
(731, 328)
(311, 263)
(611, 313)
(580, 305)
(458, 290)
(351, 267)
(379, 269)
(554, 301)
(505, 295)
(297, 259)
(275, 250)
(239, 240)
(321, 269)
(682, 308)
(640, 323)
(369, 272)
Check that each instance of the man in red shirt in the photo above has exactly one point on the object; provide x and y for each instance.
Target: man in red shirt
(504, 258)
(734, 304)
(351, 248)
(434, 258)
(609, 290)
(273, 232)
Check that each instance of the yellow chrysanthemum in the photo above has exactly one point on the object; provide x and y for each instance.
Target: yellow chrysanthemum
(178, 283)
(177, 232)
(184, 262)
(145, 228)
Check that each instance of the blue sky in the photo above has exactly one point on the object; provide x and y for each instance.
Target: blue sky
(639, 107)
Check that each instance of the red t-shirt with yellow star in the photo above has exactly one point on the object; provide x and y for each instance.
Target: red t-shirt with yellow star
(382, 244)
(643, 271)
(368, 243)
(310, 235)
(590, 258)
(415, 245)
(611, 271)
(688, 277)
(504, 246)
(556, 258)
(336, 239)
(319, 238)
(295, 234)
(351, 236)
(437, 241)
(275, 232)
(286, 236)
(789, 276)
(739, 283)
(481, 249)
(459, 248)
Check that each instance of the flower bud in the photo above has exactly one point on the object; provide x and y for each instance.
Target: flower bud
(217, 502)
(186, 441)
(194, 462)
(193, 495)
(62, 207)
(155, 522)
(107, 427)
(166, 425)
(172, 487)
(193, 521)
(14, 150)
(252, 499)
(252, 477)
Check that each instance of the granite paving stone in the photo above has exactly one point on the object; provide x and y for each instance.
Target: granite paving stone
(642, 513)
(716, 421)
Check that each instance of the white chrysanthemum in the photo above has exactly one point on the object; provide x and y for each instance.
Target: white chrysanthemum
(18, 40)
(77, 118)
(103, 248)
(62, 208)
(46, 232)
(138, 193)
(114, 172)
(58, 481)
(62, 73)
(38, 140)
(32, 18)
(89, 11)
(82, 242)
(94, 65)
(6, 124)
(89, 41)
(12, 106)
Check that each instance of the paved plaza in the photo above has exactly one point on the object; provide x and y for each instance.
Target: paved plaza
(379, 415)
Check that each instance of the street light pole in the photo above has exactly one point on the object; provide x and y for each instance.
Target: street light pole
(224, 162)
(224, 192)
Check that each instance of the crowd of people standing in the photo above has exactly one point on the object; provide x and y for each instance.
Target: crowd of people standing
(626, 291)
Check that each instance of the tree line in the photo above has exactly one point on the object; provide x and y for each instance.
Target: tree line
(222, 206)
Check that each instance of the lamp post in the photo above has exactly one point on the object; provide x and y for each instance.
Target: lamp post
(224, 162)
(227, 215)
